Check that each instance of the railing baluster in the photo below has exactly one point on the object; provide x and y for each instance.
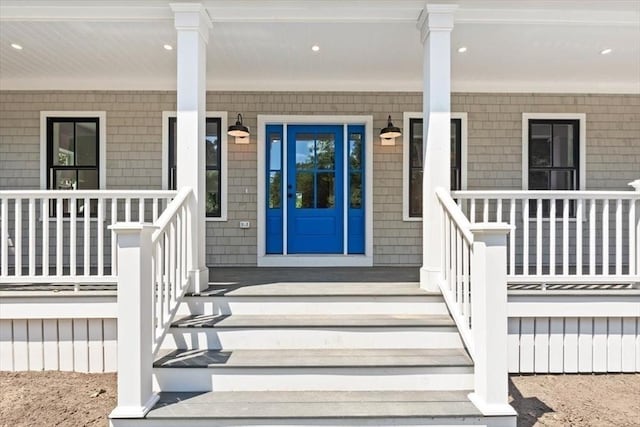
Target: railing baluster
(32, 236)
(465, 283)
(512, 238)
(565, 237)
(155, 209)
(87, 238)
(485, 210)
(619, 237)
(72, 235)
(499, 210)
(44, 210)
(141, 209)
(552, 238)
(472, 211)
(633, 266)
(100, 230)
(447, 252)
(18, 237)
(59, 236)
(160, 278)
(4, 237)
(592, 237)
(579, 225)
(127, 209)
(114, 219)
(525, 237)
(458, 267)
(539, 237)
(605, 237)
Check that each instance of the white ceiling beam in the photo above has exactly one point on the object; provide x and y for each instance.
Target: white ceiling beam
(616, 13)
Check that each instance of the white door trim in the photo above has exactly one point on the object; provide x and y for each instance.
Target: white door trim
(264, 260)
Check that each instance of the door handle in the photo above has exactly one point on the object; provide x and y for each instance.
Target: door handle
(289, 195)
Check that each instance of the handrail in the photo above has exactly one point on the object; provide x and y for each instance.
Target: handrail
(456, 214)
(94, 194)
(170, 264)
(545, 194)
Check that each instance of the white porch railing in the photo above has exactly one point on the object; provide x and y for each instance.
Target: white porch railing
(564, 236)
(474, 286)
(61, 236)
(156, 268)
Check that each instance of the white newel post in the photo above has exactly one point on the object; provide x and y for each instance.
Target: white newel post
(192, 26)
(435, 24)
(135, 321)
(489, 318)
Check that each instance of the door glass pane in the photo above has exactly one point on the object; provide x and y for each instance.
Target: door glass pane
(326, 190)
(305, 151)
(355, 190)
(274, 190)
(326, 151)
(416, 151)
(415, 193)
(355, 150)
(86, 144)
(65, 180)
(455, 155)
(212, 151)
(563, 155)
(540, 154)
(538, 180)
(275, 153)
(212, 197)
(562, 180)
(63, 146)
(304, 190)
(87, 179)
(173, 135)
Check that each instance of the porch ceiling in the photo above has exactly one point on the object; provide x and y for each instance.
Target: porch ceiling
(521, 46)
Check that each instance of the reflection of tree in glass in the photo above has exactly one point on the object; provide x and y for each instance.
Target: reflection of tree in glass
(274, 190)
(213, 206)
(304, 190)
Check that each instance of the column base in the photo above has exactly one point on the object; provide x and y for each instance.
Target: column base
(429, 279)
(491, 409)
(135, 411)
(200, 279)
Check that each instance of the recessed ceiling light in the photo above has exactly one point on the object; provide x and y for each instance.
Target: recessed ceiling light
(168, 47)
(16, 46)
(606, 51)
(315, 48)
(462, 49)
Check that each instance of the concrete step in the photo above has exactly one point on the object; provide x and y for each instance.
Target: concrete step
(313, 332)
(314, 408)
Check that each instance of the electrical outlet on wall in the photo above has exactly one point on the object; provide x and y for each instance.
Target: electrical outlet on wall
(245, 224)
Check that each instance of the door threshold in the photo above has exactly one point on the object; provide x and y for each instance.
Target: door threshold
(315, 260)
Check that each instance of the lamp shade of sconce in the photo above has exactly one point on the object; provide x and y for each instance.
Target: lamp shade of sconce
(389, 134)
(239, 131)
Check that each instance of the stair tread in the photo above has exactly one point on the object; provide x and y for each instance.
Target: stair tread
(293, 358)
(322, 289)
(314, 404)
(302, 321)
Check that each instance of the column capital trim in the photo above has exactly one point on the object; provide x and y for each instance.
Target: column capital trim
(436, 17)
(191, 17)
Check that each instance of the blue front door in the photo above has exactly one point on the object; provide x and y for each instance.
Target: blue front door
(314, 189)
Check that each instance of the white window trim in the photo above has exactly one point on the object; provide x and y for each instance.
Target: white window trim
(582, 120)
(405, 158)
(296, 260)
(222, 115)
(102, 135)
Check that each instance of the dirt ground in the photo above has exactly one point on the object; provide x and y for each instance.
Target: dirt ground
(72, 399)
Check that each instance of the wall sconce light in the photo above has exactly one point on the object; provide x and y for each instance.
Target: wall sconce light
(239, 131)
(389, 134)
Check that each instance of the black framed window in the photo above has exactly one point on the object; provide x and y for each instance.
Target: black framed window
(73, 155)
(416, 166)
(554, 158)
(213, 164)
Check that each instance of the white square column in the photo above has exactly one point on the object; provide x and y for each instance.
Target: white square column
(192, 26)
(435, 24)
